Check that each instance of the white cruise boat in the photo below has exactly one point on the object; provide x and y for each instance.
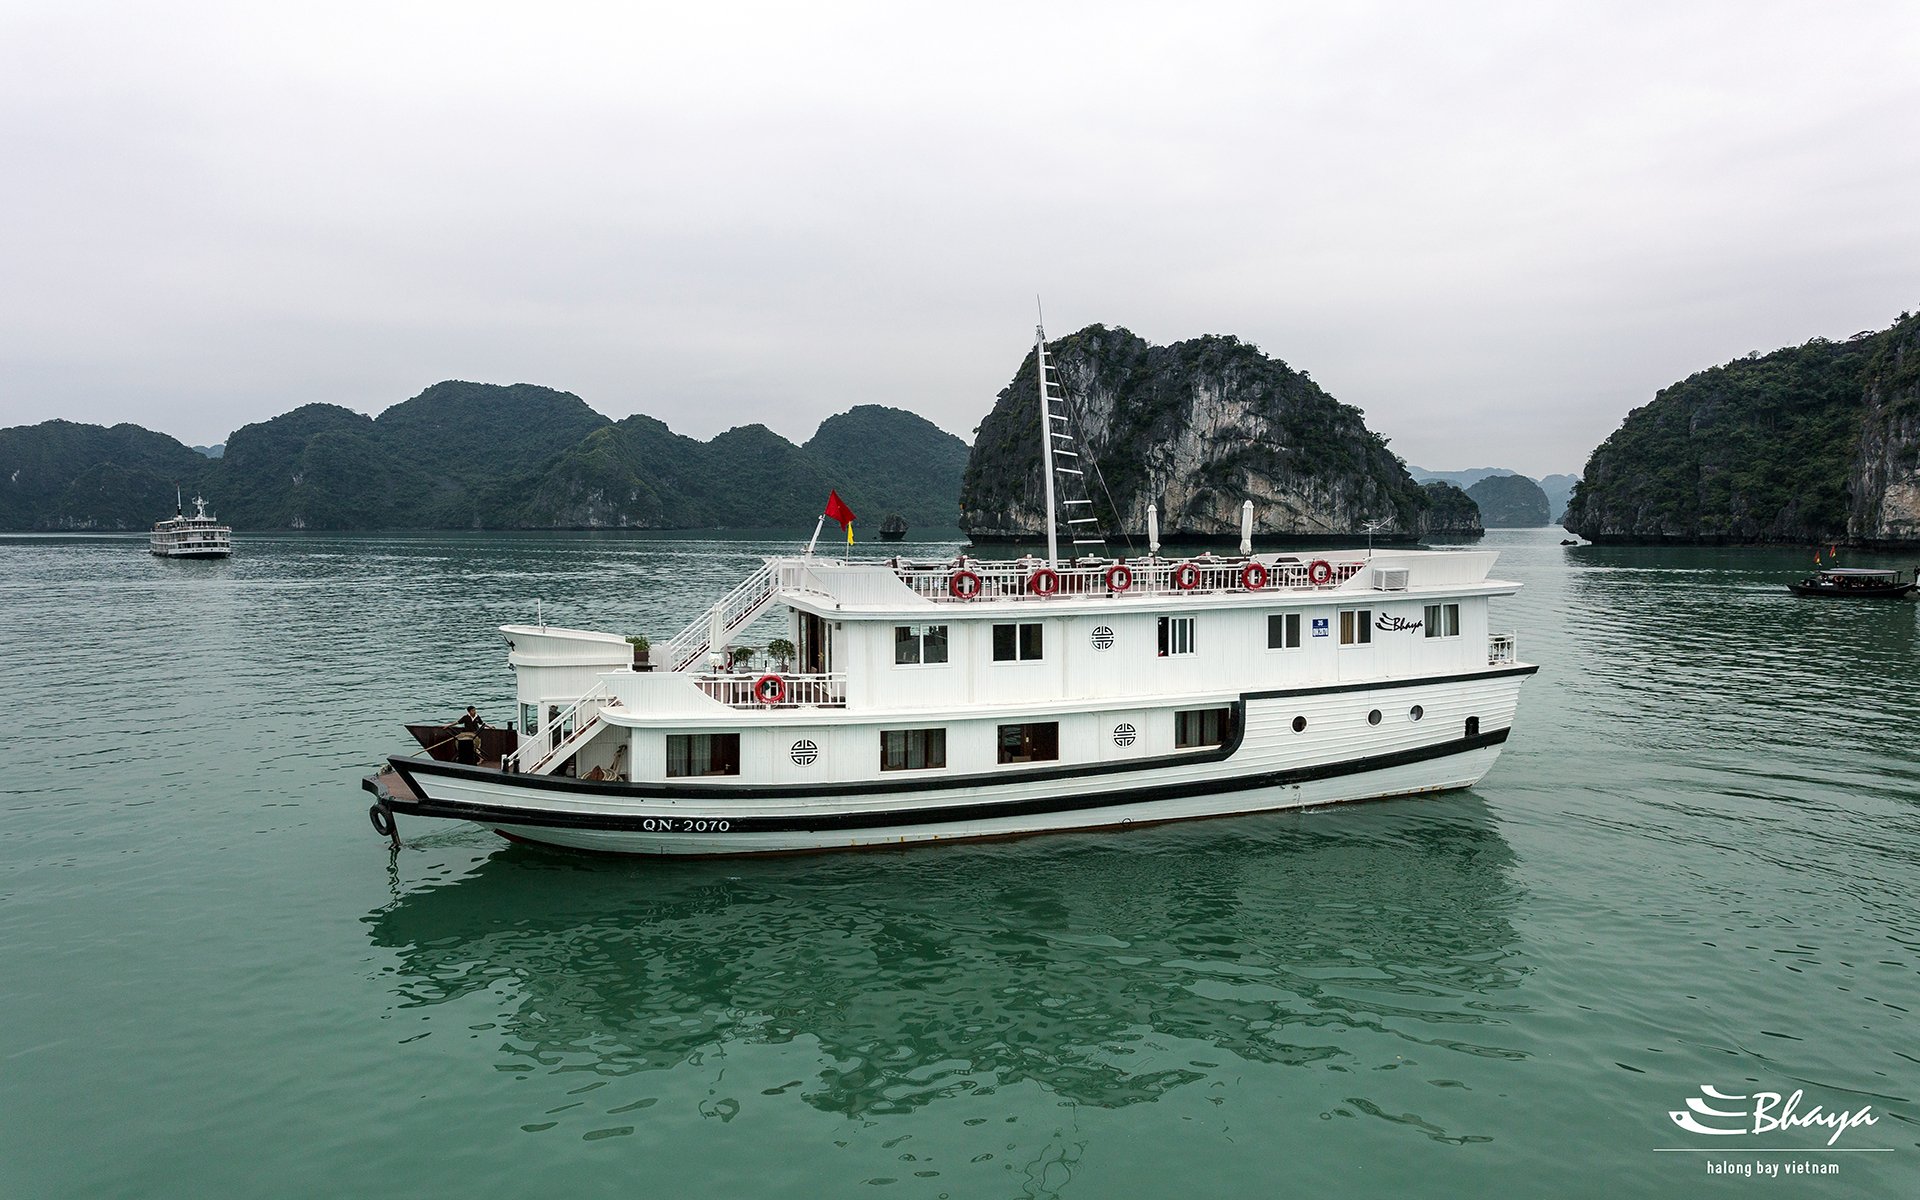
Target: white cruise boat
(197, 536)
(974, 699)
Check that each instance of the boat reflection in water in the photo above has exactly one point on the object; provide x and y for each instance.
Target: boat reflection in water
(1285, 940)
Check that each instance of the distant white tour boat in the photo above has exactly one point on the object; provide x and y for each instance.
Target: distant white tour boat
(961, 699)
(197, 536)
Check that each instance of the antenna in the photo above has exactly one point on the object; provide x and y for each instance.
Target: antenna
(1373, 527)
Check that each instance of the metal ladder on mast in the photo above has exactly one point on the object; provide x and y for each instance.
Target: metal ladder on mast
(1069, 505)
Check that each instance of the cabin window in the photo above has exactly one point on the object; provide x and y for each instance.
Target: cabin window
(690, 755)
(1283, 631)
(912, 749)
(1356, 626)
(1016, 643)
(1442, 620)
(1201, 727)
(529, 719)
(1038, 742)
(1176, 636)
(919, 645)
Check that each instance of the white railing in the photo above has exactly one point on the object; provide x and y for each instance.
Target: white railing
(1155, 576)
(736, 609)
(566, 732)
(742, 690)
(1503, 649)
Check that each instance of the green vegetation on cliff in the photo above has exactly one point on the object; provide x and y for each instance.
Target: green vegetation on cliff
(63, 475)
(1510, 502)
(1761, 449)
(470, 455)
(1450, 512)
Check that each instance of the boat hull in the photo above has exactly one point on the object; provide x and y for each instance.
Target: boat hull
(1266, 767)
(1461, 771)
(1891, 592)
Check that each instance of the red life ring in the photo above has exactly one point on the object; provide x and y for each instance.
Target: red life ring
(1044, 582)
(1319, 572)
(1119, 577)
(963, 585)
(1253, 576)
(1186, 577)
(770, 689)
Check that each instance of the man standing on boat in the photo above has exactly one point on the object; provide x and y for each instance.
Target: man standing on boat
(467, 741)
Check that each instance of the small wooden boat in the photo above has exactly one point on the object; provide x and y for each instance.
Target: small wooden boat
(1855, 583)
(442, 743)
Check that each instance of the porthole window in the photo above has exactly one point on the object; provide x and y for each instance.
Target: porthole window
(1299, 724)
(1373, 718)
(1415, 713)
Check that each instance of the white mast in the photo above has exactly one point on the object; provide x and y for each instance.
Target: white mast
(1046, 442)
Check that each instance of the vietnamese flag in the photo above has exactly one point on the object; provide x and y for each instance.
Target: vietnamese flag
(838, 510)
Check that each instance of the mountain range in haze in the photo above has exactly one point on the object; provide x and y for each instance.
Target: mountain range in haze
(1557, 488)
(473, 455)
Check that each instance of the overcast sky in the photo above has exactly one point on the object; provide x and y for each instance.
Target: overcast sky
(1496, 228)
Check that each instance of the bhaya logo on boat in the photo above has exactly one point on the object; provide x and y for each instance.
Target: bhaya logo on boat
(1728, 1114)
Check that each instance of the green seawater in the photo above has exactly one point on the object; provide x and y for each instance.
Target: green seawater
(1697, 863)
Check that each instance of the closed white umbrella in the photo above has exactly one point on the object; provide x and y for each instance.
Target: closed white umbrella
(1153, 529)
(716, 635)
(1246, 528)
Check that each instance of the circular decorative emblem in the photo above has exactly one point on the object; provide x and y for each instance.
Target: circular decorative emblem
(804, 752)
(1124, 734)
(1102, 637)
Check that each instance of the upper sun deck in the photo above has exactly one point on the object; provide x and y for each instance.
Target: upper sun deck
(969, 586)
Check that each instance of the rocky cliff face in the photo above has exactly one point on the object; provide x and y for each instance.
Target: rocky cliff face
(1451, 512)
(1811, 443)
(1884, 484)
(1510, 502)
(1196, 427)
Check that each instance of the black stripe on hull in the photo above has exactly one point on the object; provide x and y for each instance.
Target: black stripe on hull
(495, 815)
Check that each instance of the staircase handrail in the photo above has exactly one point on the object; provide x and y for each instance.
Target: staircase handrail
(598, 695)
(736, 608)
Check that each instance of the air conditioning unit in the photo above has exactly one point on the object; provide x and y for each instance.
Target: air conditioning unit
(1390, 579)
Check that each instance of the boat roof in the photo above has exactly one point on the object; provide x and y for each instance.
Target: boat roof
(1858, 573)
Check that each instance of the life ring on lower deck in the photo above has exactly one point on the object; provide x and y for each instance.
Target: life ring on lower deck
(1319, 572)
(1253, 576)
(1186, 576)
(1044, 582)
(770, 689)
(1119, 577)
(963, 585)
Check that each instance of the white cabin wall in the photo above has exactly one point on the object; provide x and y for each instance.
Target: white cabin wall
(1231, 651)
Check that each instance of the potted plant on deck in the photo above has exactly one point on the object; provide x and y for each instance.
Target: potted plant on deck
(642, 650)
(781, 650)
